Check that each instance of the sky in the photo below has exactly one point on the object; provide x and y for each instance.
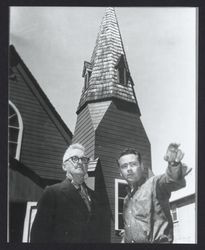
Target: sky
(160, 46)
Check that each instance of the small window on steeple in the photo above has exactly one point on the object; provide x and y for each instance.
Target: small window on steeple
(122, 75)
(87, 70)
(87, 78)
(121, 71)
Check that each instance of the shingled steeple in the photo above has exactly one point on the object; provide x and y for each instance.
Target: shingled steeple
(108, 121)
(107, 74)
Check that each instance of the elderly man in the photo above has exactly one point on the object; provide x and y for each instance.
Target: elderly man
(147, 217)
(66, 210)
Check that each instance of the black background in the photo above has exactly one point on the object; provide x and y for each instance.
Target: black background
(4, 42)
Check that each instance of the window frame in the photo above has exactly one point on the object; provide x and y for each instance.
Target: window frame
(20, 131)
(117, 182)
(122, 76)
(174, 211)
(87, 78)
(122, 71)
(31, 211)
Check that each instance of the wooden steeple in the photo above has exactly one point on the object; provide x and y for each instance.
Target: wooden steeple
(108, 118)
(108, 72)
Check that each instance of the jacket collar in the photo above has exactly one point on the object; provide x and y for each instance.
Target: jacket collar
(135, 187)
(72, 193)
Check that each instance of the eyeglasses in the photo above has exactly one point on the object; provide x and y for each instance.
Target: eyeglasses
(76, 159)
(131, 164)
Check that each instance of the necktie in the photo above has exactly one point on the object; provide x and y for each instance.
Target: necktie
(84, 194)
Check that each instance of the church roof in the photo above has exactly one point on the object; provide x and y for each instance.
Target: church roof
(107, 55)
(15, 59)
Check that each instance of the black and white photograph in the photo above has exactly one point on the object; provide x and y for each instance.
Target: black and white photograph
(102, 124)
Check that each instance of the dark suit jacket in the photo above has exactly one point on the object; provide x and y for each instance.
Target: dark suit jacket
(62, 216)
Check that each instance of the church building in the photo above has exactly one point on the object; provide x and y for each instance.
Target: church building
(38, 138)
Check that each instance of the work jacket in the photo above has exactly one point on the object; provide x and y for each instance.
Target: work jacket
(147, 217)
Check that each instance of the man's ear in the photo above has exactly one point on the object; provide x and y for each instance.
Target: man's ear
(64, 167)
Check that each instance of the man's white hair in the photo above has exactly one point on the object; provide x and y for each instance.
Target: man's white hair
(68, 152)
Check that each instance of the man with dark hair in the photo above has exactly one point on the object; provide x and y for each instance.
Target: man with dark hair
(146, 211)
(66, 211)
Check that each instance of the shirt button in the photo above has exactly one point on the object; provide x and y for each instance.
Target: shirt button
(130, 211)
(128, 226)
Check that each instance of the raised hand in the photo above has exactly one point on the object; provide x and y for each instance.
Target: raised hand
(173, 154)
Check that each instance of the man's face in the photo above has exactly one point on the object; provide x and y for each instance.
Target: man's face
(130, 168)
(74, 165)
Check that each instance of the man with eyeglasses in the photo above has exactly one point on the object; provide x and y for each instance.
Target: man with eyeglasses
(146, 211)
(66, 211)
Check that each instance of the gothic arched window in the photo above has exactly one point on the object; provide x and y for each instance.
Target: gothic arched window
(15, 131)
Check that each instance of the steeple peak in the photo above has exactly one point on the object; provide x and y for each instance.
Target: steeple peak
(107, 74)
